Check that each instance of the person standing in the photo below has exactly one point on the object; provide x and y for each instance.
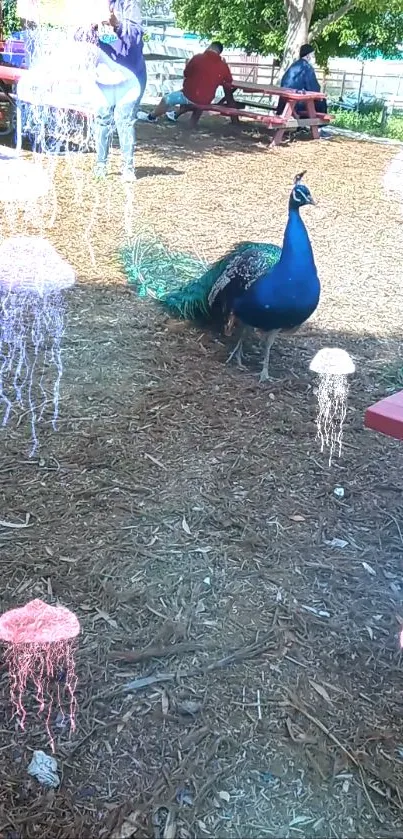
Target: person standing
(121, 81)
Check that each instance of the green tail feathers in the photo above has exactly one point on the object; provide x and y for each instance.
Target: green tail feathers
(182, 283)
(172, 278)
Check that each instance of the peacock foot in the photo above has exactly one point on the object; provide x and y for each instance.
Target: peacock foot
(264, 376)
(238, 355)
(230, 325)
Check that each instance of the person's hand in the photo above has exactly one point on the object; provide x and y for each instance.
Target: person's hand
(113, 21)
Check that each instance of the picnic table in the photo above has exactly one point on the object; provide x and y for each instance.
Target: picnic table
(12, 75)
(9, 76)
(386, 416)
(288, 120)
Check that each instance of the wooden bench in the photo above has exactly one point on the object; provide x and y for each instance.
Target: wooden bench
(386, 416)
(248, 103)
(280, 124)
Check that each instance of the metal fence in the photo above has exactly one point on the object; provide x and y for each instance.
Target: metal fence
(336, 83)
(165, 65)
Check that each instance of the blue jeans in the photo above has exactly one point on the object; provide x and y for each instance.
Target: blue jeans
(118, 105)
(177, 97)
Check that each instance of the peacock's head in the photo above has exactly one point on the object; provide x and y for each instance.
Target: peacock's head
(300, 195)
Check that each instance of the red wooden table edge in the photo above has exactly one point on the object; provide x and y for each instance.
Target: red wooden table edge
(274, 90)
(276, 121)
(10, 74)
(386, 416)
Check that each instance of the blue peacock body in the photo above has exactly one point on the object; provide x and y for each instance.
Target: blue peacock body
(182, 283)
(261, 286)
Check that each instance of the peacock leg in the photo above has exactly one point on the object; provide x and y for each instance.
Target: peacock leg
(264, 376)
(237, 353)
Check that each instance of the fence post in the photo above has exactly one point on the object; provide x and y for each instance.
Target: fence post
(361, 82)
(343, 84)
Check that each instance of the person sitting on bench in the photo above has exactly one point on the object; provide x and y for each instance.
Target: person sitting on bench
(301, 76)
(203, 74)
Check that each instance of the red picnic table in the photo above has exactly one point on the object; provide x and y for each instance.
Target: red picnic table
(10, 74)
(288, 120)
(386, 416)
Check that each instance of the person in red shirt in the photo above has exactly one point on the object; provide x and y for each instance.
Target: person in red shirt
(203, 74)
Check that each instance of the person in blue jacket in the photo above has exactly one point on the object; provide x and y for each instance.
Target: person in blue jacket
(301, 76)
(122, 79)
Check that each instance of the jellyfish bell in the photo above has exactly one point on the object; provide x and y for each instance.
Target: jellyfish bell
(39, 641)
(332, 362)
(64, 12)
(33, 277)
(61, 74)
(38, 623)
(21, 180)
(32, 264)
(333, 366)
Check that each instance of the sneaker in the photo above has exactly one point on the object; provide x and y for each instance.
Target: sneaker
(129, 176)
(172, 115)
(143, 116)
(100, 171)
(324, 135)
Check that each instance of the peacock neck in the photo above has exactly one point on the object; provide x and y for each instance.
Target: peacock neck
(297, 247)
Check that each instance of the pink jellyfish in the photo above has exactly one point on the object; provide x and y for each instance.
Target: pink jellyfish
(40, 646)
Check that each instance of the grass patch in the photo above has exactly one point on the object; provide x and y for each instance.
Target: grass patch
(370, 124)
(392, 378)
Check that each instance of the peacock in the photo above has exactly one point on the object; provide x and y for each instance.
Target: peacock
(255, 285)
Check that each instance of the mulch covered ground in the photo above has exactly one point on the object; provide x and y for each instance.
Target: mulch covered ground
(186, 515)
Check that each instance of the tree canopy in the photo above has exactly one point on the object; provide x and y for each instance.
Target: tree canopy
(350, 28)
(9, 16)
(273, 26)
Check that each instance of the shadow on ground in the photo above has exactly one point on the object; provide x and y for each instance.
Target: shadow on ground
(186, 514)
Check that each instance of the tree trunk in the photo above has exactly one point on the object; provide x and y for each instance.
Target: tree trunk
(299, 16)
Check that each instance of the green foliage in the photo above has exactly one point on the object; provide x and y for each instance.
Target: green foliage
(160, 8)
(393, 378)
(375, 106)
(365, 108)
(370, 124)
(260, 25)
(11, 21)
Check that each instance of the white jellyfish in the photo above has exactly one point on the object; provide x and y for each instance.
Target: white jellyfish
(33, 278)
(332, 365)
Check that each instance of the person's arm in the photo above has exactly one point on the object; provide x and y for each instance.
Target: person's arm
(286, 79)
(227, 80)
(295, 78)
(311, 82)
(128, 28)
